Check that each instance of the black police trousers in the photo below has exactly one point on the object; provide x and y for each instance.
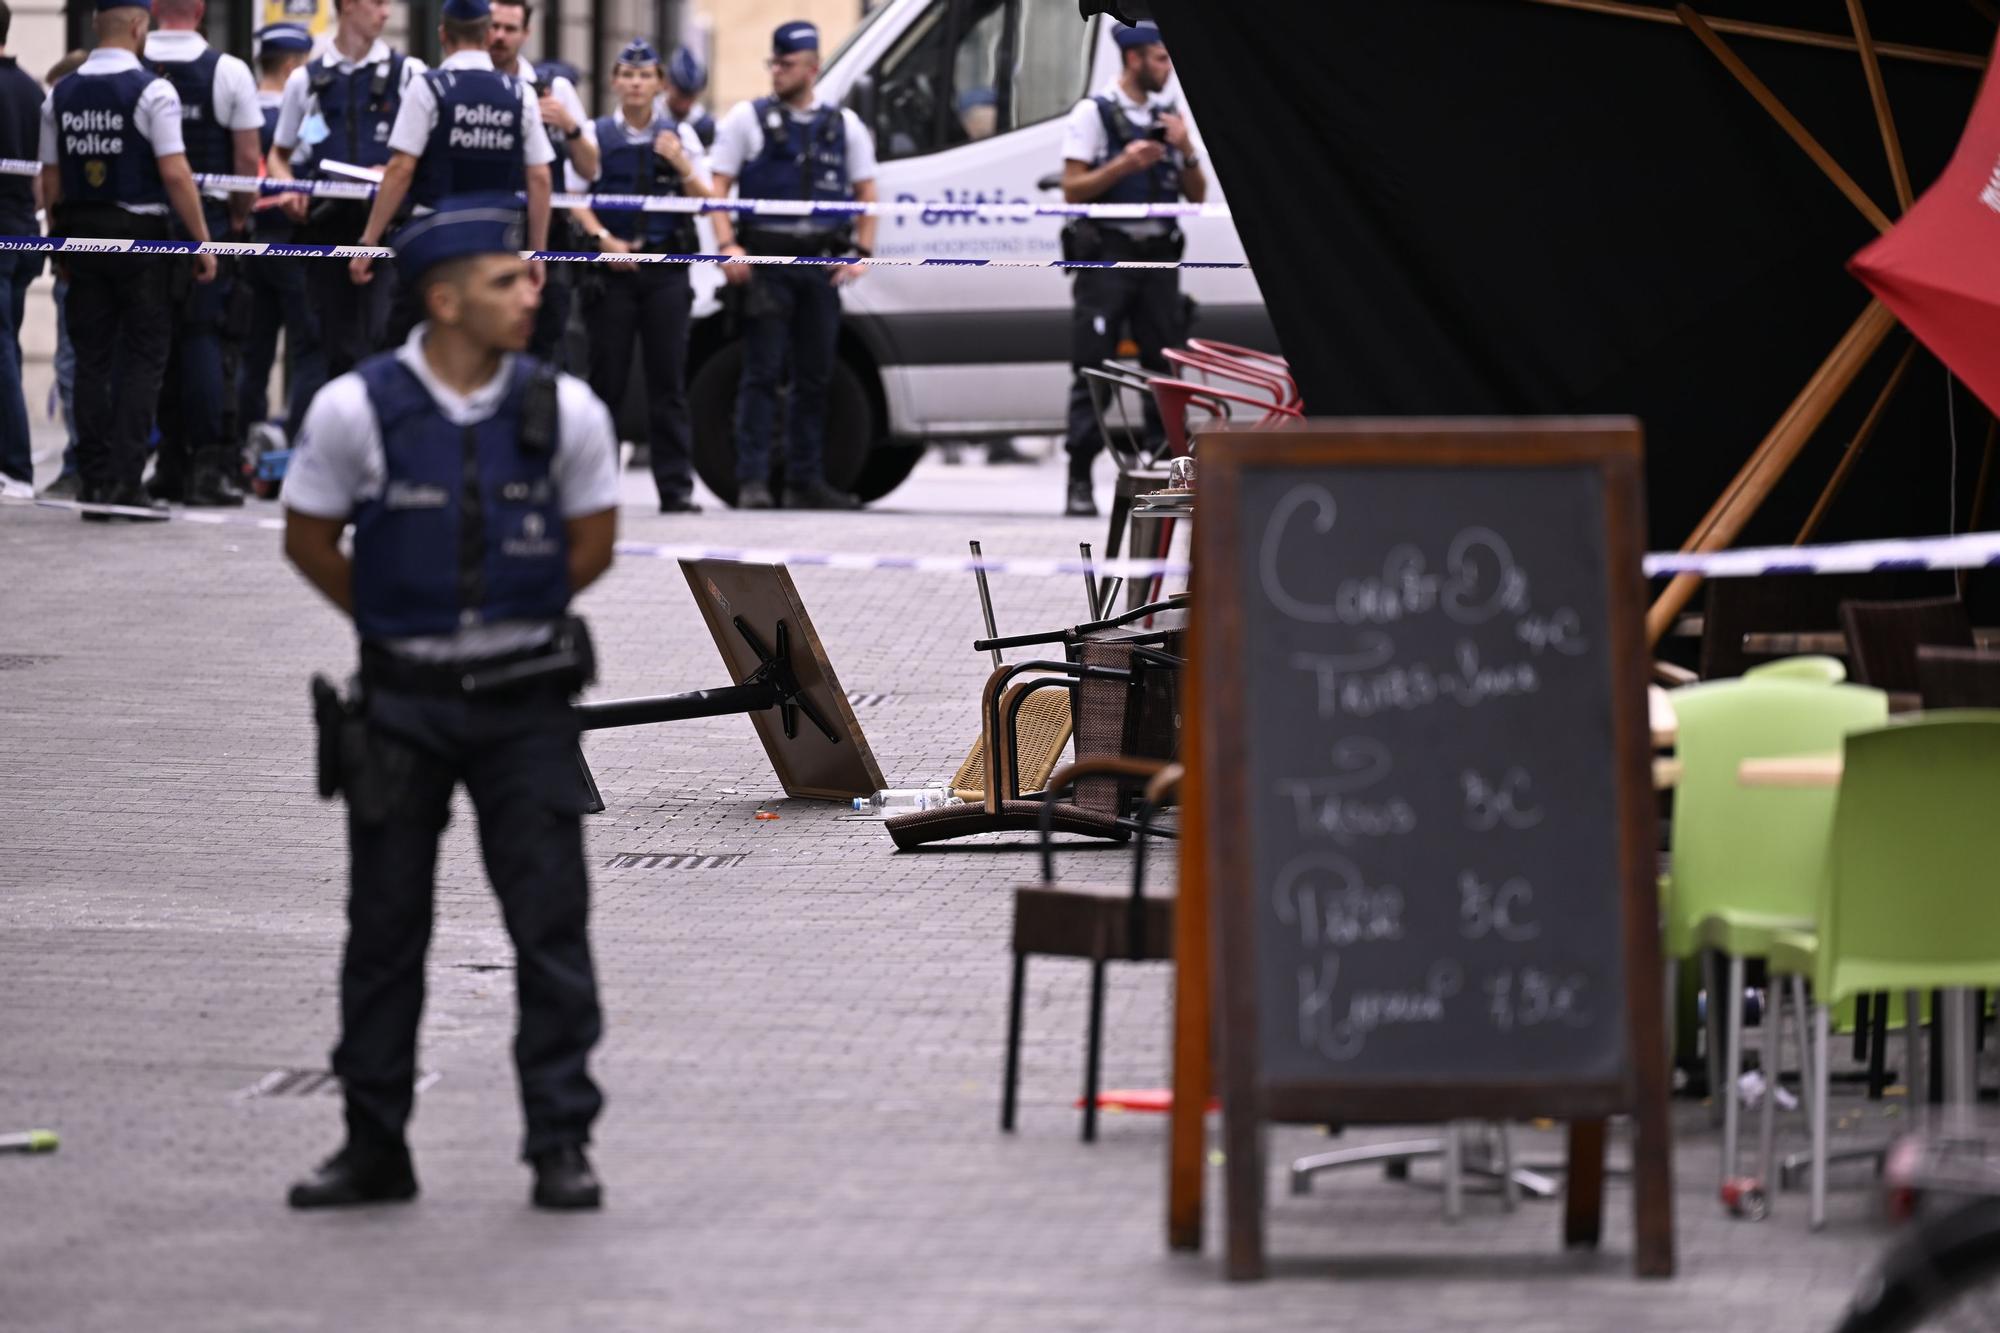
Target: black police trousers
(1108, 304)
(650, 304)
(353, 320)
(516, 756)
(120, 322)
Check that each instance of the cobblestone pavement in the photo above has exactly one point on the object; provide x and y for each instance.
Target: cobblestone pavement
(803, 1048)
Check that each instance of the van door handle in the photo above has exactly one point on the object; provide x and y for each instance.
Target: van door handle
(1052, 181)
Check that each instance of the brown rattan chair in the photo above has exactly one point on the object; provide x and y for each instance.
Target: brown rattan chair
(1958, 677)
(1786, 606)
(1099, 924)
(1883, 638)
(1124, 704)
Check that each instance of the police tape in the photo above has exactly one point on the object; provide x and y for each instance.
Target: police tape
(1003, 211)
(285, 250)
(1975, 550)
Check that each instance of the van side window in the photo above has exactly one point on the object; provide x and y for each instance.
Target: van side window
(965, 70)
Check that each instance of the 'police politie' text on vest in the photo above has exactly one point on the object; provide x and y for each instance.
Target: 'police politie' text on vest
(93, 132)
(482, 127)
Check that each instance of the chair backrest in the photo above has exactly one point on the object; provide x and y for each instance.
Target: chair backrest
(1910, 902)
(1958, 677)
(1790, 604)
(1138, 719)
(1883, 637)
(1811, 668)
(1754, 849)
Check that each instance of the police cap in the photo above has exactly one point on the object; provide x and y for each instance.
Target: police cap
(686, 72)
(798, 35)
(638, 51)
(1130, 37)
(284, 37)
(466, 11)
(463, 226)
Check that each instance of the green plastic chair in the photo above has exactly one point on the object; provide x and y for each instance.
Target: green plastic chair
(1810, 669)
(1748, 862)
(1908, 903)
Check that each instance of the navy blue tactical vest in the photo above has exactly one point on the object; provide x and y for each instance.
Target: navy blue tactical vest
(102, 157)
(476, 146)
(1161, 185)
(633, 168)
(269, 134)
(209, 149)
(359, 108)
(800, 160)
(468, 529)
(704, 130)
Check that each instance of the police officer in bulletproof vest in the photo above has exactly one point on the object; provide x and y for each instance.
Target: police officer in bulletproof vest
(643, 152)
(339, 109)
(277, 286)
(464, 128)
(791, 145)
(114, 166)
(1126, 145)
(564, 118)
(482, 488)
(199, 461)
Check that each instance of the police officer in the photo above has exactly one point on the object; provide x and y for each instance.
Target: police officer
(482, 487)
(564, 118)
(791, 145)
(687, 78)
(464, 128)
(648, 154)
(1126, 145)
(220, 123)
(339, 108)
(113, 165)
(277, 287)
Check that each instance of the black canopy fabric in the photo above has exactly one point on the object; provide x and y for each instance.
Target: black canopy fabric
(1498, 206)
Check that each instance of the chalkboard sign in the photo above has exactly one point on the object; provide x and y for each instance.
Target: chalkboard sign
(1428, 817)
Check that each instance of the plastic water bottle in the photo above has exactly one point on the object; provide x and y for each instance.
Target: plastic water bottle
(903, 800)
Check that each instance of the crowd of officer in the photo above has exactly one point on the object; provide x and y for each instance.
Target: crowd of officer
(180, 351)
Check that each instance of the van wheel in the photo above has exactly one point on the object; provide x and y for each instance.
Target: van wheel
(850, 428)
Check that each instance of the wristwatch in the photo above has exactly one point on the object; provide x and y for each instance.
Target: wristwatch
(573, 134)
(863, 252)
(601, 235)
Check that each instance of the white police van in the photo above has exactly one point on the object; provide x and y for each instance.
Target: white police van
(960, 354)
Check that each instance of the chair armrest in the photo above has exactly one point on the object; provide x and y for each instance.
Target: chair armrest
(1165, 783)
(1668, 674)
(1103, 766)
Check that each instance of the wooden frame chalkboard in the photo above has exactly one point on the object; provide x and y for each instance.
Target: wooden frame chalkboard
(1460, 604)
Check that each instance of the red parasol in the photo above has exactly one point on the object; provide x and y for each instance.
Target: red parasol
(1939, 268)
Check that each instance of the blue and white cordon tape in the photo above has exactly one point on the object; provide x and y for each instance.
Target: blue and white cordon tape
(1021, 211)
(98, 245)
(1974, 550)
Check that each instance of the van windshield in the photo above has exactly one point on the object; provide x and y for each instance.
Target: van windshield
(868, 21)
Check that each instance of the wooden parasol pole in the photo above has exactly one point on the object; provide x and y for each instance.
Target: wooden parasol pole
(1826, 41)
(1776, 453)
(1885, 118)
(1788, 122)
(1862, 436)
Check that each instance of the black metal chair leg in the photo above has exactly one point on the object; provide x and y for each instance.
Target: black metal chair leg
(1878, 1048)
(1094, 1050)
(1862, 1004)
(1013, 1074)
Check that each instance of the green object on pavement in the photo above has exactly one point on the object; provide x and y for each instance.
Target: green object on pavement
(32, 1140)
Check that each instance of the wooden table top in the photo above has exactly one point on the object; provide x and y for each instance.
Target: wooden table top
(1810, 770)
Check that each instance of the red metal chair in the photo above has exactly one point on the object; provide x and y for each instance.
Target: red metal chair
(1204, 365)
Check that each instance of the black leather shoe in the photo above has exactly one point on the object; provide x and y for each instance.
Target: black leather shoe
(1003, 452)
(679, 504)
(1081, 503)
(754, 495)
(345, 1180)
(145, 509)
(564, 1180)
(818, 495)
(89, 495)
(166, 486)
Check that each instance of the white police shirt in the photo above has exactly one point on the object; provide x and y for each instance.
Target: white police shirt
(157, 117)
(1085, 141)
(559, 88)
(337, 463)
(235, 103)
(300, 106)
(418, 116)
(690, 144)
(739, 138)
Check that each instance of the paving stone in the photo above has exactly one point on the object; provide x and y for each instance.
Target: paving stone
(803, 1046)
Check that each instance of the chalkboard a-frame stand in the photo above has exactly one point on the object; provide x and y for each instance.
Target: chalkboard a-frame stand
(1429, 813)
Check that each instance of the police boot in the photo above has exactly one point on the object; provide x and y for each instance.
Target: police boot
(754, 495)
(1080, 503)
(818, 494)
(348, 1178)
(211, 485)
(564, 1180)
(168, 482)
